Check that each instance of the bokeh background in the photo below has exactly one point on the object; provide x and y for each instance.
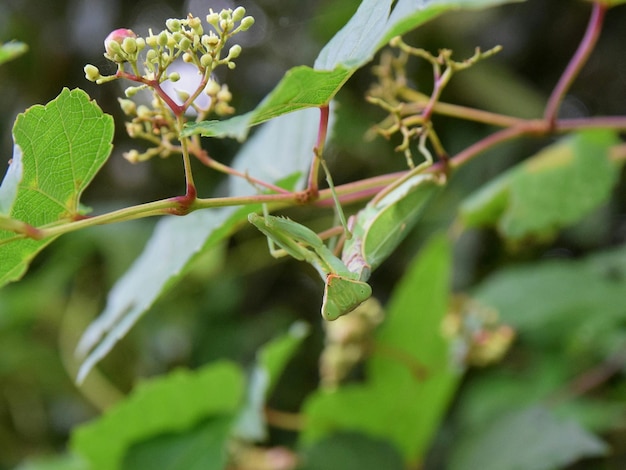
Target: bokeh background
(236, 297)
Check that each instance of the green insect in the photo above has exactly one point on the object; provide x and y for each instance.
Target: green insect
(376, 232)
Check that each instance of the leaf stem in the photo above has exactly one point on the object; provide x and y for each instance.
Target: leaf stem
(577, 62)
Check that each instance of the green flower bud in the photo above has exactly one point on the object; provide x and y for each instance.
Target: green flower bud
(174, 76)
(129, 45)
(132, 156)
(128, 107)
(231, 65)
(132, 90)
(206, 60)
(246, 23)
(212, 88)
(224, 94)
(152, 40)
(222, 109)
(182, 95)
(92, 73)
(113, 44)
(196, 25)
(212, 18)
(133, 129)
(239, 13)
(141, 43)
(173, 25)
(211, 40)
(143, 112)
(184, 44)
(163, 38)
(151, 55)
(187, 57)
(234, 51)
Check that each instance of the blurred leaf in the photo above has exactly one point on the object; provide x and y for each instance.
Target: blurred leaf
(200, 448)
(408, 14)
(411, 364)
(553, 189)
(169, 404)
(62, 146)
(12, 50)
(531, 438)
(369, 29)
(271, 361)
(551, 298)
(62, 462)
(280, 150)
(351, 452)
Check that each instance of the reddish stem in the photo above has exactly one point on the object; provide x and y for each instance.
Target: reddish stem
(312, 187)
(577, 62)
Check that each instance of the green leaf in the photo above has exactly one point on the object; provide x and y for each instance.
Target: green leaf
(553, 297)
(551, 190)
(12, 50)
(369, 29)
(173, 403)
(280, 149)
(300, 88)
(351, 452)
(271, 361)
(63, 145)
(532, 439)
(62, 462)
(201, 448)
(411, 363)
(407, 14)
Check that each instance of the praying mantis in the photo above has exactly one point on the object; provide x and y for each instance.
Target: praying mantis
(376, 230)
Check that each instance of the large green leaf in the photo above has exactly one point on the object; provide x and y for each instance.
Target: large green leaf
(173, 403)
(369, 29)
(281, 148)
(532, 438)
(411, 378)
(59, 148)
(558, 300)
(553, 189)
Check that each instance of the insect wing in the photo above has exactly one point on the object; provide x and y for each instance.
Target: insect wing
(396, 214)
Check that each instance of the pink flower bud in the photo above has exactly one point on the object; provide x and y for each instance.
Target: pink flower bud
(113, 43)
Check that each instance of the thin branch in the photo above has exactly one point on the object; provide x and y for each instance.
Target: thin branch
(577, 62)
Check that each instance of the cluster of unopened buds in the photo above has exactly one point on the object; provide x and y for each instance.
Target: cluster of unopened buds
(145, 61)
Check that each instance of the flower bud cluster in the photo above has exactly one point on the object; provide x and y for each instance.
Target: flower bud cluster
(145, 61)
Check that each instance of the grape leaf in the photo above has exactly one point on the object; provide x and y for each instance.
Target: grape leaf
(369, 29)
(173, 403)
(59, 148)
(553, 189)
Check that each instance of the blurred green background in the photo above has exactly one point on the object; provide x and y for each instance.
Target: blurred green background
(237, 297)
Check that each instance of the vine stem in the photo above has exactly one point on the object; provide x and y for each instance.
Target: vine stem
(577, 62)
